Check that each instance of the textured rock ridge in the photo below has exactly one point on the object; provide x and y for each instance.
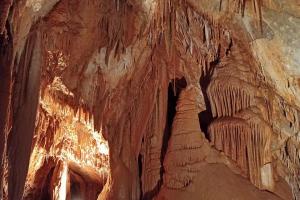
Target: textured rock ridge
(240, 130)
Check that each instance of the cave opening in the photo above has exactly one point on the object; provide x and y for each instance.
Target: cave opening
(65, 133)
(46, 185)
(76, 191)
(83, 187)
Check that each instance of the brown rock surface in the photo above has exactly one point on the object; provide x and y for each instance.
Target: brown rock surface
(149, 99)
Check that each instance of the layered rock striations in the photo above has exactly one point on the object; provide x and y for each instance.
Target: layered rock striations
(149, 99)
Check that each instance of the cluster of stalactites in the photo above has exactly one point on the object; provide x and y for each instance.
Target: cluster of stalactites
(184, 147)
(258, 149)
(240, 129)
(204, 39)
(45, 128)
(59, 101)
(60, 114)
(229, 134)
(240, 6)
(229, 95)
(246, 140)
(176, 25)
(162, 24)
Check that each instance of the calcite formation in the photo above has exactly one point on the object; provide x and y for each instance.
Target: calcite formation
(230, 135)
(240, 131)
(58, 158)
(184, 146)
(149, 99)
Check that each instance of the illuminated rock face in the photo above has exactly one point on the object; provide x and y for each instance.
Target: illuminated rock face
(152, 99)
(67, 149)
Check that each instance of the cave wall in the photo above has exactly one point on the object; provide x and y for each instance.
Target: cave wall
(117, 59)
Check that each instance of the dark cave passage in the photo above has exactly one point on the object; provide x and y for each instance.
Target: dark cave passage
(45, 194)
(206, 117)
(75, 189)
(140, 165)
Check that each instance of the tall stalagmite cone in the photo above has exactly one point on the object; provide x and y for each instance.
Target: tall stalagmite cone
(184, 147)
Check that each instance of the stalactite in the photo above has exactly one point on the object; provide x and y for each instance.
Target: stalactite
(228, 95)
(207, 32)
(229, 134)
(259, 3)
(240, 5)
(258, 150)
(220, 5)
(246, 140)
(45, 128)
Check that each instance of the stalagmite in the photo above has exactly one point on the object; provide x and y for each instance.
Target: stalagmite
(184, 147)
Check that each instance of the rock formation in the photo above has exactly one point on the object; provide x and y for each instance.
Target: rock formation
(149, 99)
(184, 146)
(240, 131)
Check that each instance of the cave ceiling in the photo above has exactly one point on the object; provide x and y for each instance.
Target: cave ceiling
(149, 99)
